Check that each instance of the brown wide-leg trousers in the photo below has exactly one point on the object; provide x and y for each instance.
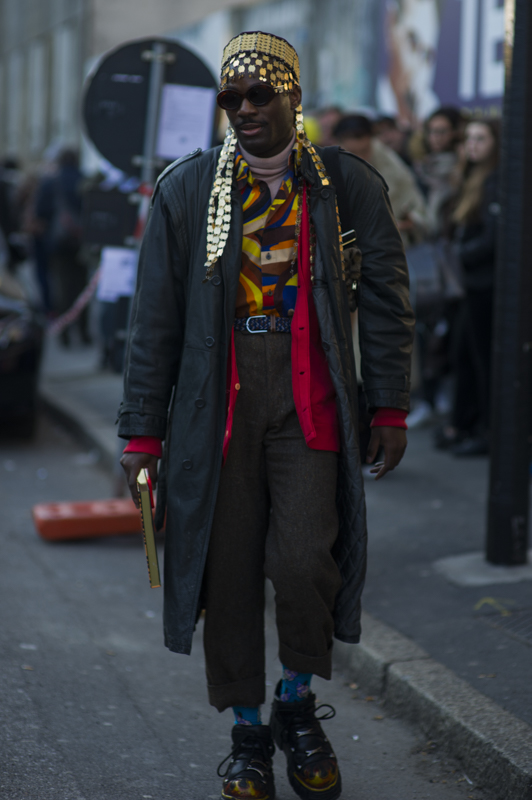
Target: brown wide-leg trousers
(275, 516)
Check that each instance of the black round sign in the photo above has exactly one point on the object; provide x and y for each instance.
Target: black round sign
(116, 97)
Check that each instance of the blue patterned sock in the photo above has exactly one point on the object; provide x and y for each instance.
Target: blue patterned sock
(247, 716)
(295, 685)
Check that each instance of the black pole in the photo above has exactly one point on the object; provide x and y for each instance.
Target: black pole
(508, 509)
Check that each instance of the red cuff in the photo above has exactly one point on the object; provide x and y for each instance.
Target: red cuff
(392, 417)
(145, 444)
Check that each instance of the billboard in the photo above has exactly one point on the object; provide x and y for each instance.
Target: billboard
(440, 52)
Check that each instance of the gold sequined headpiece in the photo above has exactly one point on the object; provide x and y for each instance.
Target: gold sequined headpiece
(268, 58)
(274, 61)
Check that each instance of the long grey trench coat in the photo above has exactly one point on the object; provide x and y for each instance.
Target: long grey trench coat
(175, 376)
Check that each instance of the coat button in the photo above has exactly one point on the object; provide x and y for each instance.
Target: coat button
(209, 341)
(216, 281)
(325, 194)
(268, 256)
(200, 402)
(187, 463)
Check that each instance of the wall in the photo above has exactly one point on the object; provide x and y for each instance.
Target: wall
(335, 48)
(115, 22)
(41, 58)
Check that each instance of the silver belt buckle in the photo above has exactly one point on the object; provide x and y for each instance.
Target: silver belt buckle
(257, 316)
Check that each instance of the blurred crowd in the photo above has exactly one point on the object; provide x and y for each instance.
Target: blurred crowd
(41, 230)
(442, 182)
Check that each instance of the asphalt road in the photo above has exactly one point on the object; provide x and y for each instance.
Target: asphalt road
(93, 707)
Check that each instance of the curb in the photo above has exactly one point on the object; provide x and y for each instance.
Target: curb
(494, 746)
(83, 424)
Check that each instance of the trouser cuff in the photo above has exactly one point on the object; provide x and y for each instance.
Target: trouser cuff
(317, 665)
(250, 692)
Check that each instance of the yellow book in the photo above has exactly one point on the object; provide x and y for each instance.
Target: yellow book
(144, 489)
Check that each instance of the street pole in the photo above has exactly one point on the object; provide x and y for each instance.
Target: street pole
(148, 163)
(158, 58)
(508, 505)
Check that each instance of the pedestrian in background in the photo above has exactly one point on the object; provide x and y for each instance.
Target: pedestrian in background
(394, 136)
(436, 172)
(436, 301)
(475, 219)
(58, 215)
(10, 176)
(327, 118)
(355, 134)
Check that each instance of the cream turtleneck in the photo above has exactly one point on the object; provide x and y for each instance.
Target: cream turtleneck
(270, 170)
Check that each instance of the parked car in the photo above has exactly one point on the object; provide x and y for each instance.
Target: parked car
(21, 344)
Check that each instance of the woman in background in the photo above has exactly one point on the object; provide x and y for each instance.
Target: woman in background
(475, 228)
(436, 172)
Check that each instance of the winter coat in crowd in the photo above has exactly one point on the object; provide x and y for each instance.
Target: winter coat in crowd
(436, 174)
(476, 239)
(405, 196)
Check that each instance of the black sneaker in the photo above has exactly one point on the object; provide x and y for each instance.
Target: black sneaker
(312, 767)
(249, 775)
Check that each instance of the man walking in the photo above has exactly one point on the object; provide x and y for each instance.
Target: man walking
(241, 359)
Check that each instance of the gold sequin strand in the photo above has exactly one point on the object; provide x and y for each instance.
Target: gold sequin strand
(341, 241)
(219, 211)
(293, 264)
(325, 181)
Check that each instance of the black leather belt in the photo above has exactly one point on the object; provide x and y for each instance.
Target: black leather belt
(263, 323)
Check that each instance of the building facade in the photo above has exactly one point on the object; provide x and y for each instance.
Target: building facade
(48, 46)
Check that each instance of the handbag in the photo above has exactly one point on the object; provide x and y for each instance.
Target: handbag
(435, 275)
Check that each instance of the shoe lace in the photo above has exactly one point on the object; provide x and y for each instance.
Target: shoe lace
(308, 718)
(331, 713)
(254, 744)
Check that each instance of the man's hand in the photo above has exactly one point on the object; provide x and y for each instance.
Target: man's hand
(132, 464)
(393, 440)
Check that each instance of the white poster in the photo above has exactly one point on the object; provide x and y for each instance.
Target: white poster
(185, 121)
(118, 271)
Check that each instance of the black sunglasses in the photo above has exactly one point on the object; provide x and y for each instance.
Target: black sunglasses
(260, 94)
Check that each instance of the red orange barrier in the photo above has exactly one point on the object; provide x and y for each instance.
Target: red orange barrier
(86, 520)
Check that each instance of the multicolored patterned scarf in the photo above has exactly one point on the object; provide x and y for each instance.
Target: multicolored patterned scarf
(268, 280)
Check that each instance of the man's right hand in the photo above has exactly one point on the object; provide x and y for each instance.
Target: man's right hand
(132, 464)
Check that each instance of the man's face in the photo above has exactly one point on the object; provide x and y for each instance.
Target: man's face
(358, 145)
(264, 130)
(391, 137)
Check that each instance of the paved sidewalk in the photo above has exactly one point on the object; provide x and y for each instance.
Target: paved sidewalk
(456, 658)
(82, 396)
